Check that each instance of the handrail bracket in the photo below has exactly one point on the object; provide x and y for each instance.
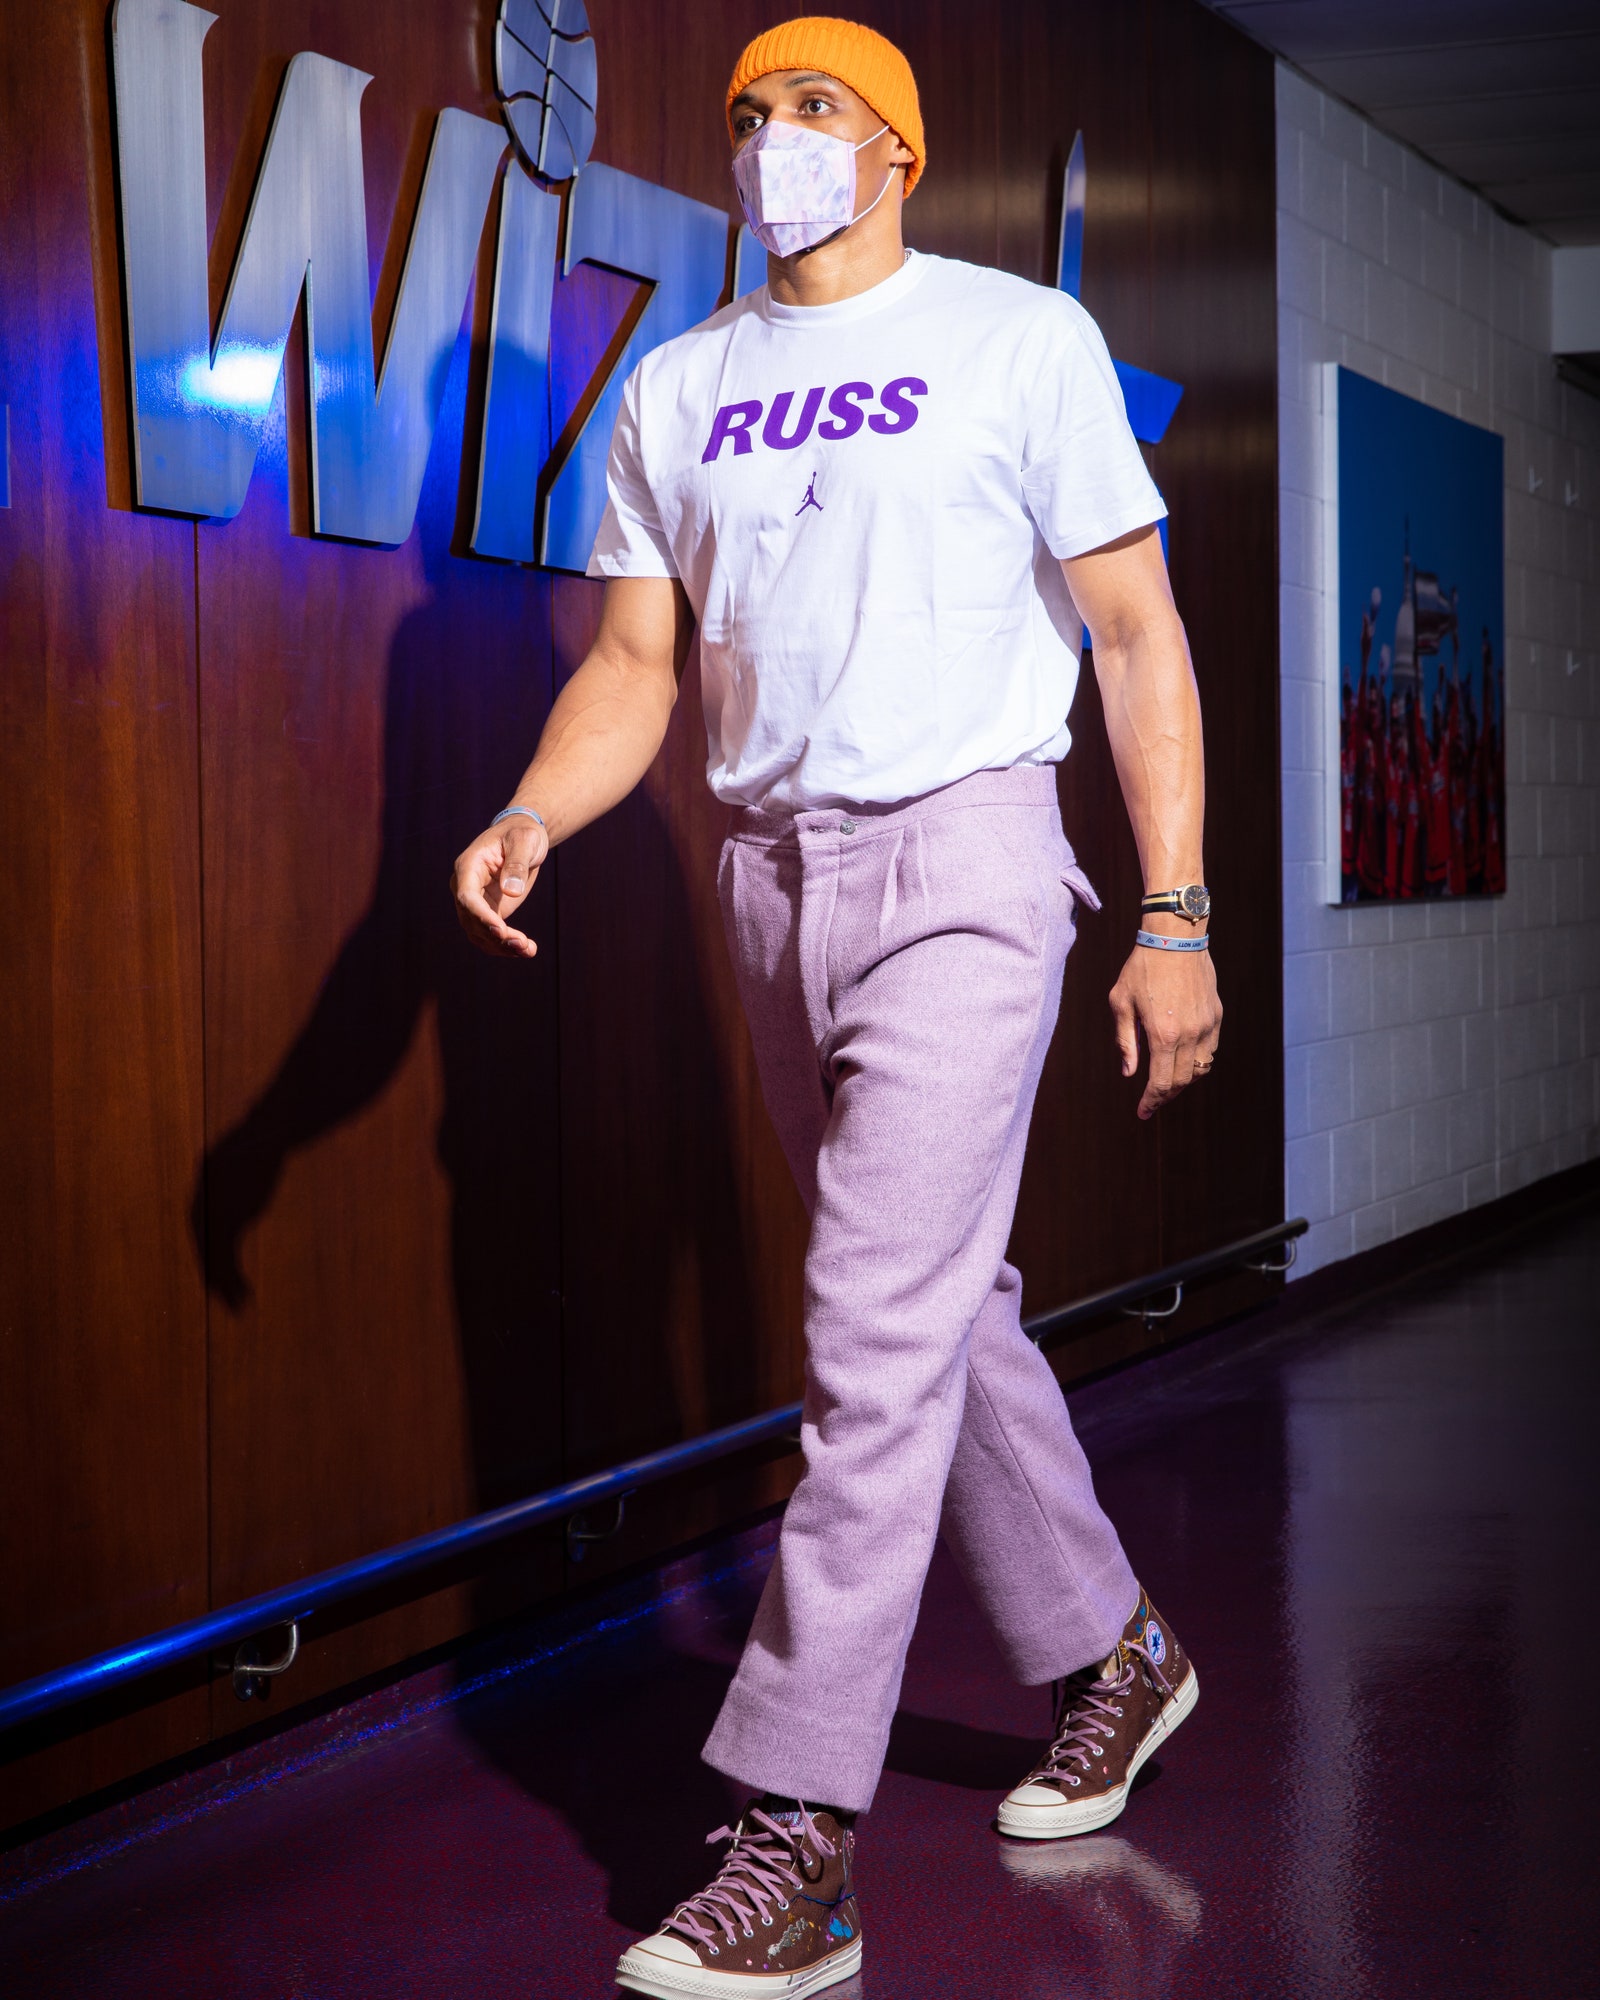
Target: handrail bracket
(252, 1675)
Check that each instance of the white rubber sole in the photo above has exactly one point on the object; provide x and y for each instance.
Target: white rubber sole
(1023, 1822)
(642, 1972)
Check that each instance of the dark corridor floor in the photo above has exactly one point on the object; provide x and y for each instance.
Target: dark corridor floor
(1378, 1537)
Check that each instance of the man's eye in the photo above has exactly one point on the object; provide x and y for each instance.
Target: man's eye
(817, 104)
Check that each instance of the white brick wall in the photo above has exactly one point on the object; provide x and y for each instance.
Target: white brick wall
(1439, 1055)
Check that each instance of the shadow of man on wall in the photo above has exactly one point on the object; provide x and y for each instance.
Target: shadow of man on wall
(469, 677)
(599, 1273)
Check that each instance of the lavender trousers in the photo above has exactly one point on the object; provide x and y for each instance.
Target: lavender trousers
(901, 970)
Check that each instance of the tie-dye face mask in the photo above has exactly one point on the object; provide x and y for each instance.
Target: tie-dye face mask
(797, 185)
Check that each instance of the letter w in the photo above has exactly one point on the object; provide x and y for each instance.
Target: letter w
(200, 410)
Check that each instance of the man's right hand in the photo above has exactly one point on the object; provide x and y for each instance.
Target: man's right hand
(492, 878)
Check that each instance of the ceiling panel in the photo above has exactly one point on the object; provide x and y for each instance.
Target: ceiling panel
(1463, 70)
(1558, 196)
(1321, 28)
(1488, 120)
(1513, 162)
(1504, 94)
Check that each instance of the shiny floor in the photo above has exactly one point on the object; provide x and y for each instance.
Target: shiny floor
(1378, 1536)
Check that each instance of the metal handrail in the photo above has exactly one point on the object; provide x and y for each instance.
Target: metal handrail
(1208, 1264)
(293, 1603)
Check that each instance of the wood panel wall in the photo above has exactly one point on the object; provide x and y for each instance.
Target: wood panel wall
(318, 1230)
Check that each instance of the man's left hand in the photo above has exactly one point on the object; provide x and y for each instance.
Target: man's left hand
(1172, 997)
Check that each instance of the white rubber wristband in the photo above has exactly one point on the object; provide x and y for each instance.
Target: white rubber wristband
(1157, 942)
(527, 811)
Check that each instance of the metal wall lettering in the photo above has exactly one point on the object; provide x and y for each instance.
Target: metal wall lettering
(1074, 200)
(548, 74)
(179, 446)
(200, 408)
(1149, 399)
(516, 404)
(389, 436)
(200, 411)
(678, 246)
(749, 262)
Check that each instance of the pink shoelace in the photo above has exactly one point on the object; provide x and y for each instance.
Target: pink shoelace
(1082, 1721)
(764, 1867)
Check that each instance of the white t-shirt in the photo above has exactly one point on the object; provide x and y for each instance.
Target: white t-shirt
(866, 502)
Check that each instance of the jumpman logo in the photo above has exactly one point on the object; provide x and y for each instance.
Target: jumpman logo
(810, 500)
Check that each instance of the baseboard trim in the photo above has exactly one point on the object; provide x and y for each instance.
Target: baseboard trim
(1456, 1236)
(1092, 1387)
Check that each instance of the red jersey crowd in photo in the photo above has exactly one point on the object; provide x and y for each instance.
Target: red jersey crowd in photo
(1422, 781)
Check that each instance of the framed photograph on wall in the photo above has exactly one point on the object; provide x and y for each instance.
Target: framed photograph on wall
(1414, 648)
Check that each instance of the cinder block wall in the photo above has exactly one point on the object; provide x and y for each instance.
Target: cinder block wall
(1437, 1056)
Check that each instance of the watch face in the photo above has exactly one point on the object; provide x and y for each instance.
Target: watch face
(1196, 901)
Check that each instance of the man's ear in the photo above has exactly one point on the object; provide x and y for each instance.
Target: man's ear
(902, 155)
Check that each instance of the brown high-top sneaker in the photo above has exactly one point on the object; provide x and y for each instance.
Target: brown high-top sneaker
(1109, 1719)
(780, 1918)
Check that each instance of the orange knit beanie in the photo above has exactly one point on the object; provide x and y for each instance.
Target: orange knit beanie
(872, 66)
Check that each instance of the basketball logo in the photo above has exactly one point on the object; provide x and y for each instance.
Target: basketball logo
(545, 70)
(1155, 1643)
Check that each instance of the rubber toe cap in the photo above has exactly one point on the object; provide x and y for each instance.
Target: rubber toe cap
(1035, 1795)
(664, 1945)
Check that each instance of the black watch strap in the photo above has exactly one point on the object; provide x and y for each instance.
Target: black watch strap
(1191, 901)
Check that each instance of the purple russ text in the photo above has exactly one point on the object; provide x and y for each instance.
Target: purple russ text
(846, 414)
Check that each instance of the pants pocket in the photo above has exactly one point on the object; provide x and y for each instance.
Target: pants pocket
(1073, 878)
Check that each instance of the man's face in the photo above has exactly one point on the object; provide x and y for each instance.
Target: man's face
(808, 97)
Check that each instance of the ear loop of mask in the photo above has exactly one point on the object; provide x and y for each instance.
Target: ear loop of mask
(871, 205)
(888, 182)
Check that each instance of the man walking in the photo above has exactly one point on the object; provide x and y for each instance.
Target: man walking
(889, 489)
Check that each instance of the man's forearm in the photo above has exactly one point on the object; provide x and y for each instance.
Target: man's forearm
(1152, 713)
(601, 737)
(607, 724)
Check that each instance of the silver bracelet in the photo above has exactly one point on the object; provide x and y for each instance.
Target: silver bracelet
(528, 810)
(1157, 942)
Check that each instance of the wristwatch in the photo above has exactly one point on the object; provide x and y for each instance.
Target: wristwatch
(1192, 901)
